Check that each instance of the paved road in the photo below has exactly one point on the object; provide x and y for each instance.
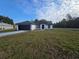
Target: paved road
(10, 33)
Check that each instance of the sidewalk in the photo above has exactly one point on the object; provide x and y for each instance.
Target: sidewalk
(10, 33)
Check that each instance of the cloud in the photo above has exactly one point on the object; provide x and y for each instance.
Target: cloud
(56, 10)
(53, 10)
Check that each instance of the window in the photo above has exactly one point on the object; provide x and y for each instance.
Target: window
(48, 26)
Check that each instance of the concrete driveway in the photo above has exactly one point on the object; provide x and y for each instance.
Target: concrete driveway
(10, 33)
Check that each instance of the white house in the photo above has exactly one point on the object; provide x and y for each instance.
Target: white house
(5, 26)
(34, 25)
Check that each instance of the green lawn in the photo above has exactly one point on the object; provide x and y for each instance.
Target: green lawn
(48, 44)
(10, 30)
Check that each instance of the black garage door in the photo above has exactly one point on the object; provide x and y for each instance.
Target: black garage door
(24, 27)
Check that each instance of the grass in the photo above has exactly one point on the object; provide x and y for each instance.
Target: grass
(48, 44)
(10, 30)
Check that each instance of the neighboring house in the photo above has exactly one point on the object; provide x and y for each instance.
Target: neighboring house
(34, 25)
(5, 26)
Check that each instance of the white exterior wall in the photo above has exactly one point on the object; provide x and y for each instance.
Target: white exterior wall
(5, 26)
(41, 26)
(8, 27)
(33, 27)
(51, 26)
(16, 26)
(45, 26)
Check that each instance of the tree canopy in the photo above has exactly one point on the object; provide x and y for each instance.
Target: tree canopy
(70, 22)
(6, 20)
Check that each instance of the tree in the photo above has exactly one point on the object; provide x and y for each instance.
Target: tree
(36, 20)
(72, 23)
(6, 20)
(69, 17)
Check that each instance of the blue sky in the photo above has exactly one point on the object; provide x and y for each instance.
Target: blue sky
(51, 10)
(13, 10)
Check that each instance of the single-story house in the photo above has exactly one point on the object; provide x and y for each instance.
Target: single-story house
(34, 25)
(5, 26)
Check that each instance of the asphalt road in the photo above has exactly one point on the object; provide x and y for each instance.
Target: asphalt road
(10, 33)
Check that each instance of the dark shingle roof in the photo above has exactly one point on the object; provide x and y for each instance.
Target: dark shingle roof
(35, 22)
(24, 23)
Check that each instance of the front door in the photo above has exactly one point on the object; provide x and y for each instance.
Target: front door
(42, 26)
